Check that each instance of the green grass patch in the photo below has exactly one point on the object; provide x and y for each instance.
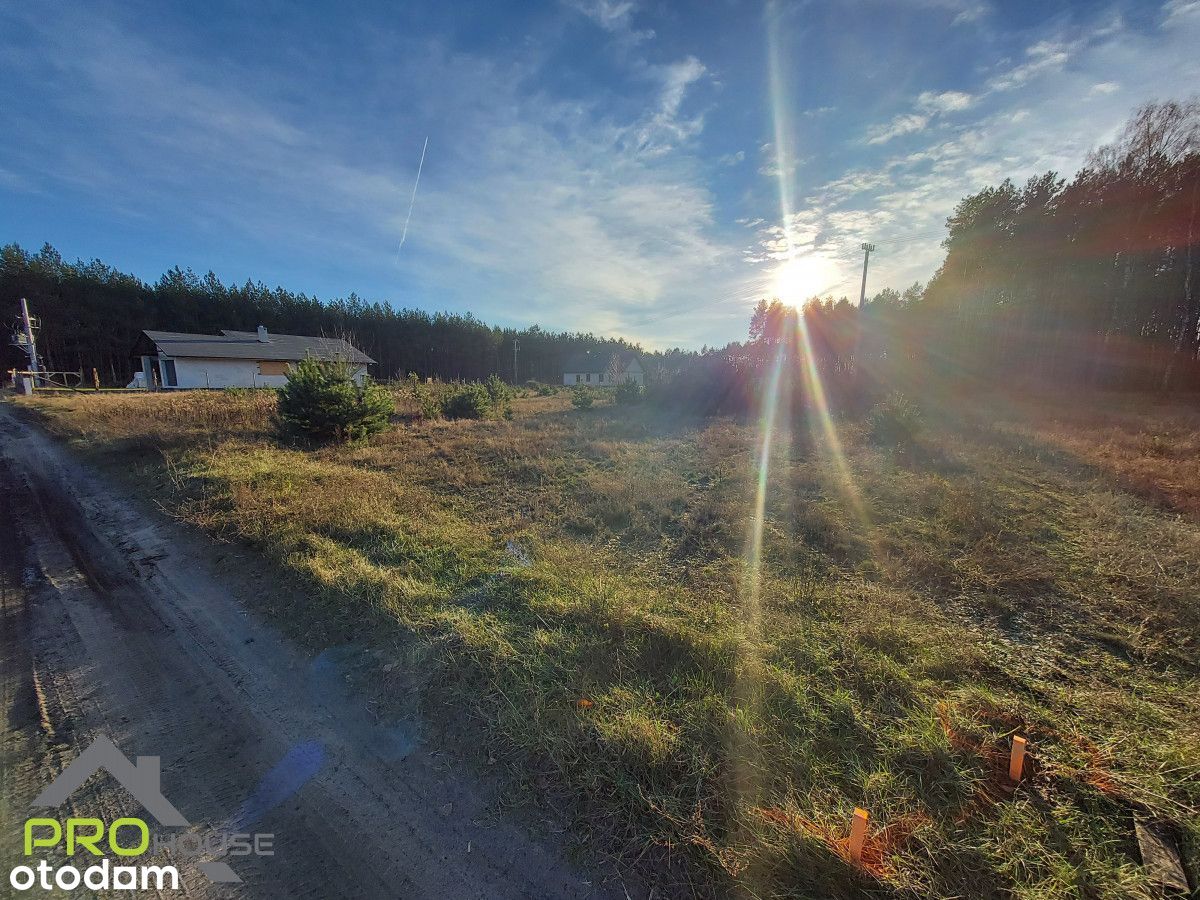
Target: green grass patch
(577, 582)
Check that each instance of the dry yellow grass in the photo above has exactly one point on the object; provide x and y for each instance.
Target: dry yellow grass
(163, 419)
(1149, 445)
(1001, 582)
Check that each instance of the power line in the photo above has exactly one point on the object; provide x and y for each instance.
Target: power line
(912, 239)
(850, 252)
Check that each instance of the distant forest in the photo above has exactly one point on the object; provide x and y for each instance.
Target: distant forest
(1090, 282)
(91, 314)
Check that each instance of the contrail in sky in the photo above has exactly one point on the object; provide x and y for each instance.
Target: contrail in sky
(413, 201)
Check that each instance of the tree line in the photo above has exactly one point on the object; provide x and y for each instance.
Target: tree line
(91, 314)
(1091, 281)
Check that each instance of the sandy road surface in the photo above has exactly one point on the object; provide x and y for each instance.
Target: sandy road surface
(120, 623)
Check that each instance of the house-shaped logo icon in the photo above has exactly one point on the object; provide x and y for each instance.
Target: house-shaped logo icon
(141, 780)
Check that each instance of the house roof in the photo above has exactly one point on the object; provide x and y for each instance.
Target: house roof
(597, 362)
(246, 345)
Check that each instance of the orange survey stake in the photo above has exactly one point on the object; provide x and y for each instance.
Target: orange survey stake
(1016, 762)
(858, 833)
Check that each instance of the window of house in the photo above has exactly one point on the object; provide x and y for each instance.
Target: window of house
(589, 376)
(577, 378)
(272, 367)
(169, 373)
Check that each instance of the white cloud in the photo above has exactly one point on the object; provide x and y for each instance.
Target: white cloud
(14, 182)
(970, 12)
(614, 16)
(530, 209)
(944, 102)
(905, 123)
(664, 127)
(1179, 9)
(1021, 124)
(929, 105)
(849, 184)
(1042, 58)
(772, 167)
(963, 11)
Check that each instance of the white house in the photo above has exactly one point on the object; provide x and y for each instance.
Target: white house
(603, 369)
(233, 358)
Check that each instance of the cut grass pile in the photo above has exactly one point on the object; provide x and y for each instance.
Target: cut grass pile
(578, 588)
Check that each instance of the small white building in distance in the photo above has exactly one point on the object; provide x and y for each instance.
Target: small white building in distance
(603, 369)
(173, 360)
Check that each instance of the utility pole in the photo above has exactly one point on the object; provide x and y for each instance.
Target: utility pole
(28, 344)
(858, 329)
(516, 344)
(862, 296)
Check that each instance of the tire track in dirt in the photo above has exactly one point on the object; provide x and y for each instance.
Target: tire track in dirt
(135, 632)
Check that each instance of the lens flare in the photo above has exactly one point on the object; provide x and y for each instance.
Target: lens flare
(794, 278)
(752, 591)
(817, 413)
(824, 431)
(742, 750)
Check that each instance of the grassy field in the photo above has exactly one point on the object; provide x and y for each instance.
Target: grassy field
(713, 669)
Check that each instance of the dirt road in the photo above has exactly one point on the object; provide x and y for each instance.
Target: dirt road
(117, 622)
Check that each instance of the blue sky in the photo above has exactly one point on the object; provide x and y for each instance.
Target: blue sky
(630, 167)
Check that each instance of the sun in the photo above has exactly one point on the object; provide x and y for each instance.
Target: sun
(803, 278)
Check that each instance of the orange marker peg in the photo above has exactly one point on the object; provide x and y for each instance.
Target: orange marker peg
(1016, 762)
(858, 833)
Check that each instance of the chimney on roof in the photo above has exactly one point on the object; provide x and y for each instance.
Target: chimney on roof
(262, 334)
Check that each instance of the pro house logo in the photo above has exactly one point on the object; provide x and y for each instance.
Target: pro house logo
(116, 855)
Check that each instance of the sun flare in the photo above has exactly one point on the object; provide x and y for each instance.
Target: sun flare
(804, 277)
